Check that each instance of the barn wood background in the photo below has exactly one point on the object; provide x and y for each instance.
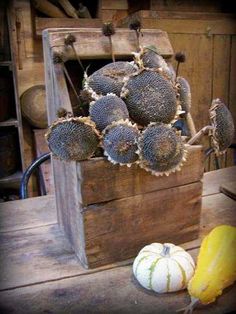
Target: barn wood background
(201, 29)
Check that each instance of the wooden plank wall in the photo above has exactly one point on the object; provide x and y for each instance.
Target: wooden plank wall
(113, 10)
(29, 68)
(210, 70)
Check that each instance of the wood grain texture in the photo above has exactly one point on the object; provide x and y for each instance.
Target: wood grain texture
(204, 27)
(102, 181)
(38, 254)
(11, 17)
(232, 92)
(113, 15)
(92, 44)
(197, 70)
(115, 292)
(114, 5)
(231, 154)
(43, 209)
(64, 173)
(198, 61)
(42, 23)
(186, 5)
(32, 72)
(116, 230)
(41, 147)
(229, 189)
(193, 15)
(213, 180)
(29, 213)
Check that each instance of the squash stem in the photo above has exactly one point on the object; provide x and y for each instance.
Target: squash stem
(189, 308)
(165, 251)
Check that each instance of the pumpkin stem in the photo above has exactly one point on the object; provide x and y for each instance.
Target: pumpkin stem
(165, 251)
(189, 308)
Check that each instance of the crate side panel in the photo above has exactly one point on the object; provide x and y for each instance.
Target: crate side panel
(102, 181)
(118, 229)
(64, 173)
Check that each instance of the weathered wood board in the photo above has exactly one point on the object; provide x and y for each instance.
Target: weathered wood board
(92, 44)
(42, 23)
(101, 181)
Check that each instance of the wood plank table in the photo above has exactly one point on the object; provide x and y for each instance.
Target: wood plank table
(40, 273)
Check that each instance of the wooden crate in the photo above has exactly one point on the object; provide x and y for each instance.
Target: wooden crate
(109, 212)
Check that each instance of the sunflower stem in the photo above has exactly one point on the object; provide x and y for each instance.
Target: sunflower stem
(199, 134)
(73, 88)
(112, 51)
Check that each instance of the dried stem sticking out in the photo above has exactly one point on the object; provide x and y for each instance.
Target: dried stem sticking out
(189, 308)
(69, 41)
(109, 30)
(180, 58)
(135, 24)
(199, 134)
(74, 91)
(58, 58)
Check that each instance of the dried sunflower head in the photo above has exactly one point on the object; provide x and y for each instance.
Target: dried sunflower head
(150, 98)
(120, 142)
(72, 138)
(223, 126)
(109, 79)
(148, 57)
(161, 149)
(107, 109)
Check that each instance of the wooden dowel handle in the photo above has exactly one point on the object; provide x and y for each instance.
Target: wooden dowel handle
(69, 9)
(83, 11)
(48, 8)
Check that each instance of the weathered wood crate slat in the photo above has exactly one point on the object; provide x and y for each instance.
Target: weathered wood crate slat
(109, 212)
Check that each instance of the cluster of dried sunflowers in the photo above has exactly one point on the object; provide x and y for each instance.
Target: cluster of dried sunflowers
(132, 112)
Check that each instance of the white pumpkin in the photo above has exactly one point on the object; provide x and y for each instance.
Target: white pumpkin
(163, 267)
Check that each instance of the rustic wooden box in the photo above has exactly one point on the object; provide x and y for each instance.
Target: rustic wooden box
(109, 212)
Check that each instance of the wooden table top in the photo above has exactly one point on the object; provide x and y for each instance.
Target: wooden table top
(41, 274)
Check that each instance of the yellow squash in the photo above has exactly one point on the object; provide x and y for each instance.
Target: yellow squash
(216, 266)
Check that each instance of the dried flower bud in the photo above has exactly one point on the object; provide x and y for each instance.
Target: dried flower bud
(85, 97)
(57, 57)
(180, 56)
(69, 39)
(135, 24)
(108, 29)
(62, 112)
